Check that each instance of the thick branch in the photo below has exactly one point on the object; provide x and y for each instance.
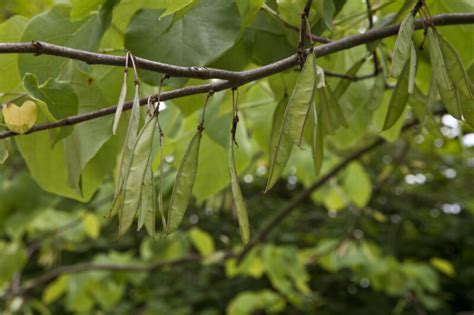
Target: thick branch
(250, 75)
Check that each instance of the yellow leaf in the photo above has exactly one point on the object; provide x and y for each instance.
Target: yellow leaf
(444, 266)
(20, 119)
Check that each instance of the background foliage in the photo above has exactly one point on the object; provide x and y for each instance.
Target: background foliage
(390, 234)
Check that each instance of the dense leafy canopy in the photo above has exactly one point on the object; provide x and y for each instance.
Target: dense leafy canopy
(381, 214)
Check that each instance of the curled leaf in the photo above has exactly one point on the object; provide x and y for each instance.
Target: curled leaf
(412, 73)
(20, 119)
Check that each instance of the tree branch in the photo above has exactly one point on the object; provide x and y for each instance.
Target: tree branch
(244, 76)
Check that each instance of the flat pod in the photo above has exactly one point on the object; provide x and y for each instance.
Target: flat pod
(399, 99)
(127, 152)
(412, 73)
(183, 186)
(403, 44)
(280, 145)
(20, 119)
(300, 100)
(317, 143)
(460, 79)
(241, 208)
(135, 178)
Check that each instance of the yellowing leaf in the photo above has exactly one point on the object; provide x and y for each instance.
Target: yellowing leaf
(20, 119)
(55, 289)
(443, 265)
(202, 241)
(91, 225)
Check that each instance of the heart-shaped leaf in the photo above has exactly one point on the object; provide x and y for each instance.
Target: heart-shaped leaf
(20, 119)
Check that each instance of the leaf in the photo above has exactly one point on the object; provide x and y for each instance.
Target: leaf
(121, 102)
(357, 184)
(59, 96)
(10, 32)
(399, 99)
(20, 119)
(403, 44)
(135, 176)
(300, 101)
(412, 73)
(183, 186)
(376, 93)
(82, 8)
(91, 225)
(83, 34)
(460, 79)
(325, 10)
(207, 30)
(239, 201)
(174, 6)
(317, 143)
(330, 111)
(248, 10)
(444, 266)
(56, 289)
(202, 241)
(343, 84)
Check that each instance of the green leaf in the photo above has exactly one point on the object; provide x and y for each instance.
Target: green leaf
(412, 73)
(376, 93)
(207, 31)
(172, 6)
(147, 211)
(13, 258)
(135, 176)
(202, 241)
(399, 99)
(403, 44)
(59, 97)
(317, 143)
(343, 84)
(239, 201)
(55, 289)
(300, 101)
(83, 34)
(248, 10)
(184, 183)
(250, 302)
(330, 111)
(325, 9)
(10, 31)
(357, 184)
(82, 8)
